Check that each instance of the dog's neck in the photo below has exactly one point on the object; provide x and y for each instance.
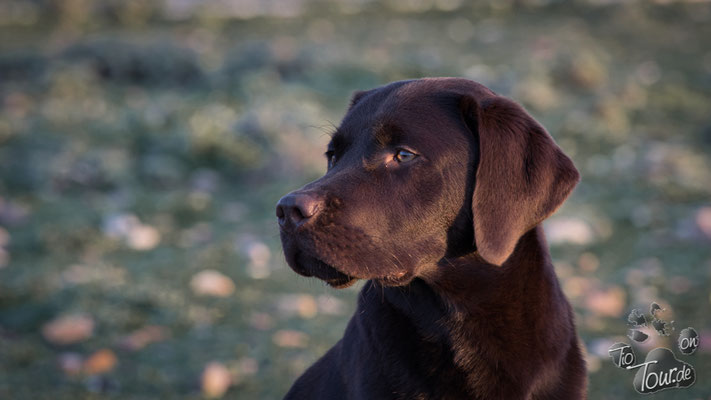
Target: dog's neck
(469, 282)
(492, 315)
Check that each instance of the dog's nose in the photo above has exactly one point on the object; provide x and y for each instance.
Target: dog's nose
(297, 208)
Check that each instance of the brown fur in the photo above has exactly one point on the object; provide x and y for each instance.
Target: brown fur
(462, 300)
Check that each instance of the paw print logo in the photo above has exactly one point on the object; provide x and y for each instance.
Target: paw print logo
(660, 369)
(638, 320)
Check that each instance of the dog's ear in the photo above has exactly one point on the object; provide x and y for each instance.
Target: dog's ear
(522, 176)
(357, 96)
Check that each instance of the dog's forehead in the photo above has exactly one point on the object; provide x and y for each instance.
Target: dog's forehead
(415, 109)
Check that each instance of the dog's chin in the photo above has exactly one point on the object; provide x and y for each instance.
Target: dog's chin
(312, 267)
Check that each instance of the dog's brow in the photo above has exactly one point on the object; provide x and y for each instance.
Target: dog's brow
(337, 140)
(387, 134)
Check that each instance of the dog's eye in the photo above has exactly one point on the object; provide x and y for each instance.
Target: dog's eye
(405, 156)
(331, 156)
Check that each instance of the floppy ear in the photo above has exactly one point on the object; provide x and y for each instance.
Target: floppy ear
(521, 179)
(357, 96)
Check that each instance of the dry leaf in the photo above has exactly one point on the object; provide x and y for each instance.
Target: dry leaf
(216, 379)
(137, 235)
(143, 337)
(302, 304)
(703, 220)
(573, 230)
(212, 283)
(143, 237)
(609, 303)
(259, 255)
(290, 338)
(100, 362)
(68, 329)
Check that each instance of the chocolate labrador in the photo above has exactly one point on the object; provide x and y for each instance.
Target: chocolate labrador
(434, 194)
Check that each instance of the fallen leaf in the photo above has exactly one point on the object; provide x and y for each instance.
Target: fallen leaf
(303, 305)
(100, 362)
(259, 255)
(573, 230)
(216, 380)
(68, 329)
(610, 302)
(212, 283)
(143, 337)
(137, 235)
(143, 237)
(290, 338)
(577, 286)
(703, 220)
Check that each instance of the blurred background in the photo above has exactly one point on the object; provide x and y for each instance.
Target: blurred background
(144, 144)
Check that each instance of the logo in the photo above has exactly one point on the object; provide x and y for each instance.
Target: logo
(661, 369)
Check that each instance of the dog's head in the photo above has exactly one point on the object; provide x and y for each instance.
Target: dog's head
(419, 171)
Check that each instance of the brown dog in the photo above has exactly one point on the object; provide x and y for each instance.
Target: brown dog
(434, 193)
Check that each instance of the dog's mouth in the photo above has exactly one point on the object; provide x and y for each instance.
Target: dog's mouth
(308, 266)
(396, 279)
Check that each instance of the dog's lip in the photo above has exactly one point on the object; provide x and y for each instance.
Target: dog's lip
(340, 283)
(396, 279)
(322, 270)
(309, 265)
